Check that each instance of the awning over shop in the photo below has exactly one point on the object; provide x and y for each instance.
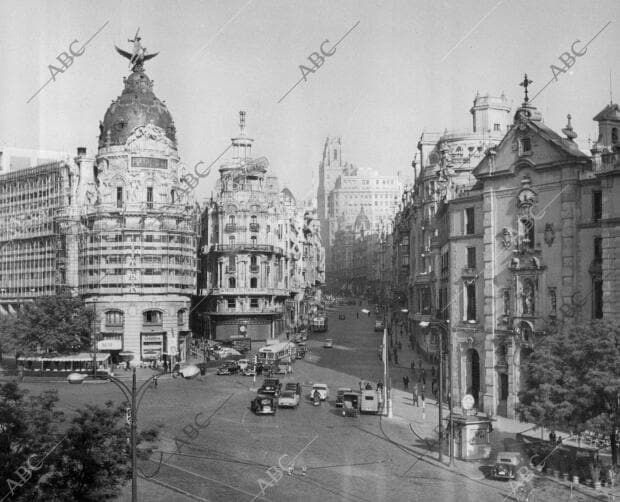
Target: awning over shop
(82, 356)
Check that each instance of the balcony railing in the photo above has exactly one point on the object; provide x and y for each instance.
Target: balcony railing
(254, 227)
(245, 291)
(266, 248)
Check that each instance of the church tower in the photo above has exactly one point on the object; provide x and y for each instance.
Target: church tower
(329, 169)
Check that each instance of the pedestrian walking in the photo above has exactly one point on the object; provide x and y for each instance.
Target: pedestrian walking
(433, 371)
(155, 382)
(434, 387)
(412, 367)
(379, 386)
(415, 395)
(395, 357)
(422, 398)
(406, 382)
(420, 363)
(165, 367)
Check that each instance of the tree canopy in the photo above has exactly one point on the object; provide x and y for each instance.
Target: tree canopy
(43, 458)
(573, 379)
(60, 324)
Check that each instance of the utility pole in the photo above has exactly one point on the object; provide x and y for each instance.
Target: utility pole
(134, 429)
(440, 401)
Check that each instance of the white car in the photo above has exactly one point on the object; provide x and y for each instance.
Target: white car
(322, 389)
(328, 343)
(243, 364)
(288, 399)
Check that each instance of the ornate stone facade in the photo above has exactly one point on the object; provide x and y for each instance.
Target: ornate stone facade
(261, 255)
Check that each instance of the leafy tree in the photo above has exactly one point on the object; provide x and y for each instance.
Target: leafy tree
(95, 459)
(89, 461)
(28, 426)
(573, 379)
(59, 324)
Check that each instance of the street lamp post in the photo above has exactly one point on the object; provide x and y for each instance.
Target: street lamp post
(134, 396)
(446, 331)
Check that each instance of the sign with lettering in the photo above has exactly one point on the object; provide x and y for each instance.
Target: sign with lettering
(152, 338)
(149, 162)
(109, 344)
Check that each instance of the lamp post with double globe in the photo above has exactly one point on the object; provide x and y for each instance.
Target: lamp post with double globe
(134, 396)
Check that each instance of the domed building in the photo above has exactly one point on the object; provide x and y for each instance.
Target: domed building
(136, 239)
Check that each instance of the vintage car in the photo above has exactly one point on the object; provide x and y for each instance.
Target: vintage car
(378, 325)
(322, 390)
(271, 386)
(263, 405)
(250, 370)
(293, 386)
(507, 465)
(288, 399)
(328, 343)
(228, 368)
(243, 364)
(350, 404)
(301, 350)
(339, 395)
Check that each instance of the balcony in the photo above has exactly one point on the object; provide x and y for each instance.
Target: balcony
(245, 291)
(233, 227)
(236, 248)
(469, 272)
(254, 269)
(254, 227)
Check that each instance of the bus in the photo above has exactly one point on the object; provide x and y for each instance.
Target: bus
(318, 324)
(282, 352)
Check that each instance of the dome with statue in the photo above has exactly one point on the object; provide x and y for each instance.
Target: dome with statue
(136, 106)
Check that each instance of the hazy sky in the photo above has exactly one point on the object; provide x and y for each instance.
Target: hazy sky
(407, 67)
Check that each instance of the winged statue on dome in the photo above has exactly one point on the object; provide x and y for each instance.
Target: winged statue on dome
(138, 55)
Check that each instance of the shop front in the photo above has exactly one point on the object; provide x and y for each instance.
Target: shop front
(111, 343)
(152, 346)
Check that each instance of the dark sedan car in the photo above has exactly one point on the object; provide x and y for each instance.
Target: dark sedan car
(229, 368)
(271, 386)
(263, 405)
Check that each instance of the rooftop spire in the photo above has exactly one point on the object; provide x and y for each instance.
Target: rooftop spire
(525, 84)
(568, 130)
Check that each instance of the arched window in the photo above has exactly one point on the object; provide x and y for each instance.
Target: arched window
(459, 151)
(614, 135)
(172, 196)
(254, 282)
(181, 317)
(253, 241)
(152, 318)
(335, 154)
(114, 318)
(231, 219)
(232, 282)
(231, 240)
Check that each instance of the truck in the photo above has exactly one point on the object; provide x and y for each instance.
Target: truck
(241, 343)
(370, 401)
